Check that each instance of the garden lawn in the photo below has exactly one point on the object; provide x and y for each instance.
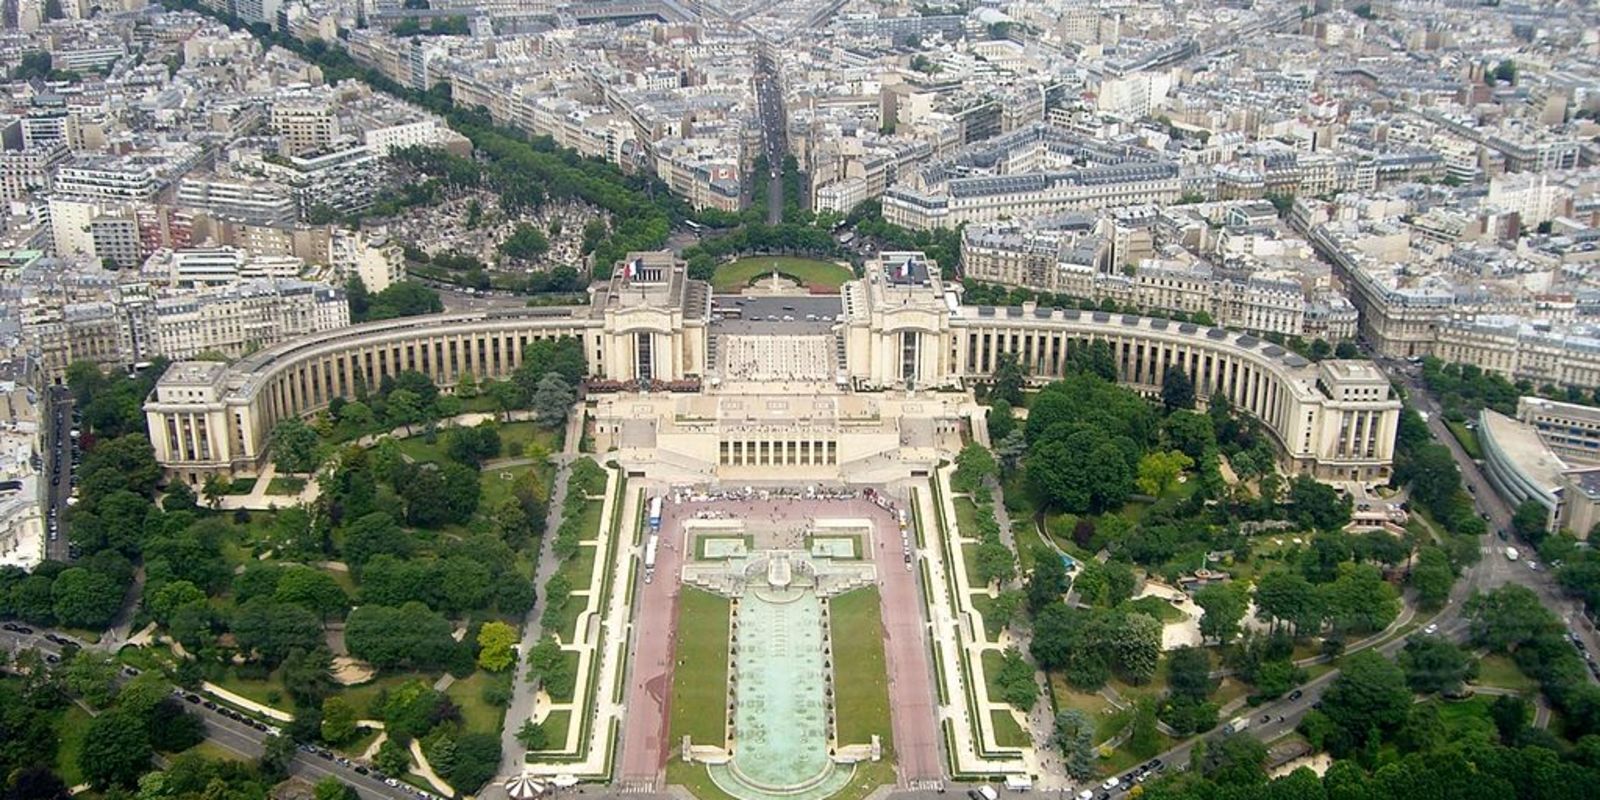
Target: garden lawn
(1462, 718)
(515, 436)
(966, 517)
(984, 604)
(736, 275)
(1107, 722)
(260, 691)
(70, 728)
(1501, 671)
(700, 681)
(862, 700)
(478, 715)
(496, 488)
(992, 659)
(1007, 733)
(364, 697)
(1467, 437)
(286, 485)
(555, 729)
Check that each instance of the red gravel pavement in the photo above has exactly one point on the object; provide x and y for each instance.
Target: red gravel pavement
(644, 736)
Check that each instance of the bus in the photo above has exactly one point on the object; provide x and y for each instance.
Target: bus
(693, 226)
(650, 557)
(655, 514)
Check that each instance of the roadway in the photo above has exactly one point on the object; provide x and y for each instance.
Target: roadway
(1495, 570)
(769, 102)
(230, 730)
(56, 471)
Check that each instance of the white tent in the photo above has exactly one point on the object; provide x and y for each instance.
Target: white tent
(524, 787)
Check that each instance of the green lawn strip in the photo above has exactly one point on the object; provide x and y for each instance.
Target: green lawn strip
(861, 697)
(984, 604)
(1027, 537)
(1467, 437)
(738, 274)
(966, 517)
(1096, 708)
(555, 728)
(992, 659)
(285, 485)
(363, 697)
(700, 680)
(1467, 718)
(497, 483)
(212, 751)
(969, 564)
(696, 778)
(478, 715)
(1007, 733)
(70, 728)
(515, 436)
(261, 691)
(1122, 760)
(1498, 670)
(857, 547)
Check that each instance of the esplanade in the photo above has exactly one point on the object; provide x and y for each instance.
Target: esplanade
(893, 349)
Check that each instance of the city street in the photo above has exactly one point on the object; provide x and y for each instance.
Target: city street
(57, 471)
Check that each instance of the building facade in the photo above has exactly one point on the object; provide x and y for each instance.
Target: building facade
(899, 328)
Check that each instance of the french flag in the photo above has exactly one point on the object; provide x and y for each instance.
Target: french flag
(905, 269)
(633, 268)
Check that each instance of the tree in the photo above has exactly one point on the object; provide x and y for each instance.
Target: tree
(1074, 734)
(477, 760)
(1015, 681)
(1189, 673)
(1370, 693)
(1048, 580)
(1189, 432)
(179, 497)
(1530, 521)
(1434, 665)
(1289, 597)
(216, 487)
(974, 464)
(392, 758)
(1158, 470)
(1317, 505)
(1508, 617)
(996, 563)
(1224, 608)
(1143, 741)
(404, 408)
(270, 630)
(312, 589)
(115, 750)
(533, 736)
(1510, 715)
(330, 788)
(1177, 390)
(1008, 380)
(1235, 760)
(84, 599)
(92, 676)
(1360, 599)
(338, 720)
(294, 446)
(1506, 71)
(1346, 349)
(552, 399)
(497, 646)
(1432, 577)
(371, 535)
(408, 636)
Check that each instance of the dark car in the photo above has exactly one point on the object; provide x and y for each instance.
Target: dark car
(360, 770)
(192, 698)
(12, 626)
(1296, 695)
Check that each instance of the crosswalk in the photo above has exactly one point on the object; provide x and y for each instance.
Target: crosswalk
(636, 787)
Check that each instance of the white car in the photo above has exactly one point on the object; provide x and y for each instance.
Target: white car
(1431, 629)
(1086, 794)
(1111, 783)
